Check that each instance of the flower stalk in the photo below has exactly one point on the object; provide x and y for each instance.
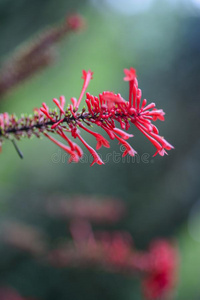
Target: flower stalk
(37, 54)
(103, 111)
(115, 252)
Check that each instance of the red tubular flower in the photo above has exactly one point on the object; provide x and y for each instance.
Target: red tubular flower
(161, 276)
(103, 111)
(96, 157)
(73, 155)
(87, 76)
(101, 141)
(128, 149)
(115, 252)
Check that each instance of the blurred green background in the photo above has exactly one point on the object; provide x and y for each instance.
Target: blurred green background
(161, 39)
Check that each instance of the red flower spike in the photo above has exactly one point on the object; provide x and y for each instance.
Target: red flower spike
(115, 252)
(103, 111)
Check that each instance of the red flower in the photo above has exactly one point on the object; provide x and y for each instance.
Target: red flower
(162, 271)
(115, 252)
(130, 74)
(103, 111)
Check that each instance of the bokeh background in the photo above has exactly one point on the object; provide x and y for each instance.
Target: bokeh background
(161, 39)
